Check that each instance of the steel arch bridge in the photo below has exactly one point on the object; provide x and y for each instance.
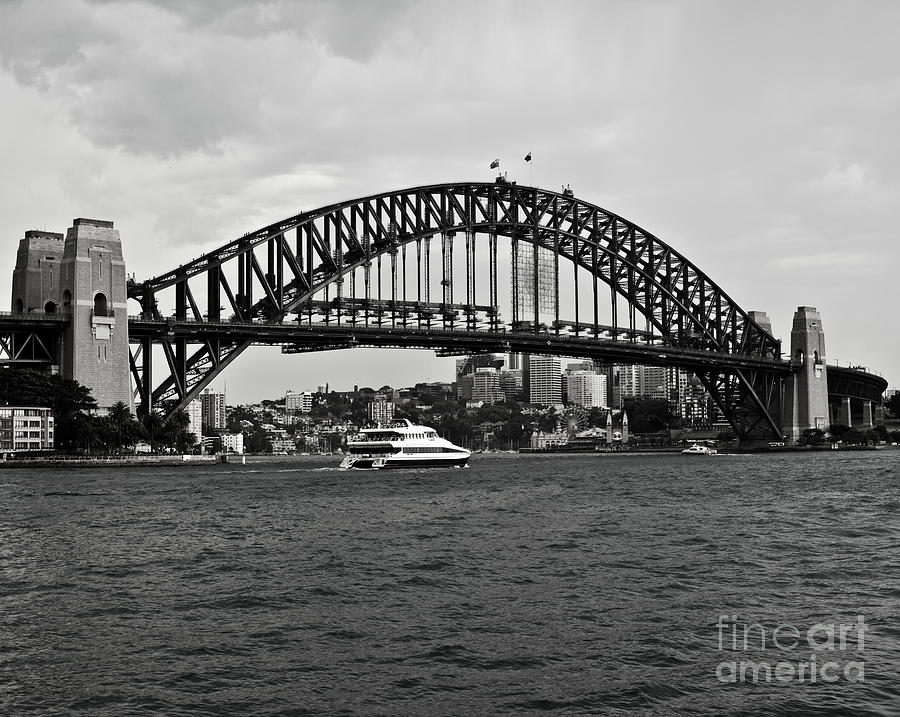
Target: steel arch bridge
(460, 267)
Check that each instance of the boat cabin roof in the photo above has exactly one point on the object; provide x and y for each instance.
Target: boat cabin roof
(402, 425)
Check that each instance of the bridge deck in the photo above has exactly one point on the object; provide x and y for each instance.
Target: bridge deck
(302, 337)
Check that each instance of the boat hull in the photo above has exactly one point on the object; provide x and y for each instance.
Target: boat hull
(396, 463)
(426, 462)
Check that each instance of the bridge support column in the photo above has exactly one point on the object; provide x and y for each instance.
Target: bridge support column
(867, 415)
(879, 414)
(846, 417)
(806, 392)
(92, 272)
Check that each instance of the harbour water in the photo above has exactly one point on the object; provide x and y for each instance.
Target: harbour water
(555, 584)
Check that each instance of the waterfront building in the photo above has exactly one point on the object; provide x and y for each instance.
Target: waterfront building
(213, 408)
(619, 435)
(233, 442)
(298, 402)
(544, 380)
(26, 428)
(545, 441)
(283, 445)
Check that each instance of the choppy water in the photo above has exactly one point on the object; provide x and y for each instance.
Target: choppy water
(521, 585)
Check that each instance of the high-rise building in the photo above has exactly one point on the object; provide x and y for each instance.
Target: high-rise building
(586, 388)
(533, 283)
(628, 382)
(636, 381)
(511, 384)
(486, 385)
(213, 408)
(464, 387)
(544, 380)
(300, 402)
(195, 419)
(470, 364)
(654, 382)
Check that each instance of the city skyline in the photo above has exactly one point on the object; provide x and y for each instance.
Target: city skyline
(773, 171)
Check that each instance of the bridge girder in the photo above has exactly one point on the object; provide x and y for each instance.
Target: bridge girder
(288, 266)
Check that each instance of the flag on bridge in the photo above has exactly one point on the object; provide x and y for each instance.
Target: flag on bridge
(495, 164)
(528, 157)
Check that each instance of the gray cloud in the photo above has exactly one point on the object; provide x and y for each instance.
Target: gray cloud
(756, 138)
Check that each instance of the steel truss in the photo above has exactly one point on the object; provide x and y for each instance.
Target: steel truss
(310, 269)
(30, 339)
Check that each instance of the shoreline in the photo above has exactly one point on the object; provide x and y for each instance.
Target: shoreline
(60, 461)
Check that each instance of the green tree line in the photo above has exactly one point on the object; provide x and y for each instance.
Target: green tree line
(79, 429)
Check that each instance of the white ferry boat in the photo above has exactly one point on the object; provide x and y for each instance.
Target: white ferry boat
(699, 450)
(402, 445)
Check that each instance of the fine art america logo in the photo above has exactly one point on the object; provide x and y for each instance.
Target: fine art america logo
(834, 652)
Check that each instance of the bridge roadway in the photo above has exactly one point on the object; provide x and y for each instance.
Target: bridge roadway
(19, 333)
(303, 337)
(316, 336)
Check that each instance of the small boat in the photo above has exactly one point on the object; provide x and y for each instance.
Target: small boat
(699, 450)
(402, 445)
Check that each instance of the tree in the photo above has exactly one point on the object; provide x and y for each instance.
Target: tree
(512, 433)
(812, 437)
(67, 399)
(549, 421)
(893, 404)
(154, 428)
(647, 415)
(855, 436)
(87, 435)
(175, 432)
(125, 428)
(257, 442)
(838, 431)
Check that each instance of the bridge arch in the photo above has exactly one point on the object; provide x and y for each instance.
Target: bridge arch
(322, 265)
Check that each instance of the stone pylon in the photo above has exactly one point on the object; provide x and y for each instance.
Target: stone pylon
(806, 392)
(35, 283)
(92, 287)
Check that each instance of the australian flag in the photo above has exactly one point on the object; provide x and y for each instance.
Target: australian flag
(495, 164)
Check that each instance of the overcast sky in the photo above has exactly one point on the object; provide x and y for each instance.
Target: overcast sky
(757, 138)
